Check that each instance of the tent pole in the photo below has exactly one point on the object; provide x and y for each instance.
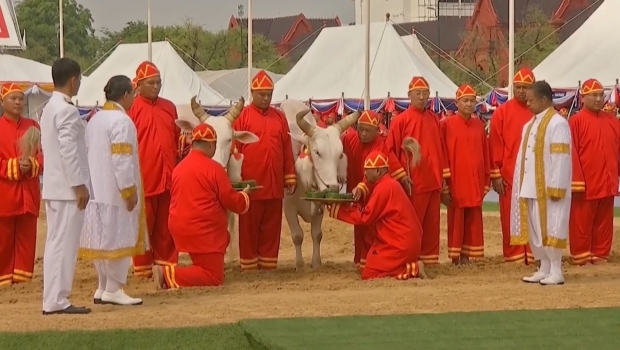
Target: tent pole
(367, 60)
(250, 59)
(149, 30)
(61, 29)
(511, 46)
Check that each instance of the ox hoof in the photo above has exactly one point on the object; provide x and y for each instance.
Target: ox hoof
(317, 264)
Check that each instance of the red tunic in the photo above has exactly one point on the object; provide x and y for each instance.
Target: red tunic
(424, 127)
(201, 193)
(356, 153)
(396, 246)
(158, 140)
(596, 152)
(504, 140)
(270, 160)
(505, 137)
(21, 193)
(468, 157)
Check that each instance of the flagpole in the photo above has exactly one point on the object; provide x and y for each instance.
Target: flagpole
(61, 29)
(367, 60)
(250, 37)
(149, 30)
(511, 46)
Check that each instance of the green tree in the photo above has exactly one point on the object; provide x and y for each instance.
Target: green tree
(40, 20)
(202, 49)
(535, 39)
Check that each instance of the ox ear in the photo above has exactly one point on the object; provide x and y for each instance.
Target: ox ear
(185, 125)
(245, 137)
(302, 139)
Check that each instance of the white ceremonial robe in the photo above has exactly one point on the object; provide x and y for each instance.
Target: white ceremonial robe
(111, 235)
(543, 170)
(66, 166)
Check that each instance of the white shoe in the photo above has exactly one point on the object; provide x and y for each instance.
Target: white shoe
(553, 280)
(535, 278)
(119, 298)
(97, 297)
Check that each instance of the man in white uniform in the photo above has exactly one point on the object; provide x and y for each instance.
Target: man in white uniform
(542, 186)
(115, 223)
(65, 187)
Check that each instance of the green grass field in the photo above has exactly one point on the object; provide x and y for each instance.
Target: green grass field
(573, 329)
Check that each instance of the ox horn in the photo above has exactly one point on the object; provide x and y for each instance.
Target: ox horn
(235, 111)
(198, 111)
(303, 124)
(347, 121)
(411, 147)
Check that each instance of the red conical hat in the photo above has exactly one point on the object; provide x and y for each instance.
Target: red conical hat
(418, 83)
(465, 90)
(369, 118)
(376, 160)
(524, 76)
(591, 86)
(204, 132)
(7, 88)
(262, 81)
(146, 70)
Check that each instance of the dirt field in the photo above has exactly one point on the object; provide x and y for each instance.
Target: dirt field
(331, 291)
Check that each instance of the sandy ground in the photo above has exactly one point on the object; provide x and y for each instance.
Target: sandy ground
(333, 290)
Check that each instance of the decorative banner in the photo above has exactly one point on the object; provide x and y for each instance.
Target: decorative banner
(10, 37)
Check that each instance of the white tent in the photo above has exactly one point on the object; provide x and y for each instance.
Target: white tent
(232, 83)
(179, 82)
(591, 52)
(334, 65)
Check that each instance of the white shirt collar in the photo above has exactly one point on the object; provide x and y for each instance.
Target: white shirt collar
(64, 97)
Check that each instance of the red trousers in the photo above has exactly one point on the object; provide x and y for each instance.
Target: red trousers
(402, 273)
(207, 270)
(363, 238)
(163, 251)
(18, 245)
(259, 235)
(512, 253)
(591, 229)
(427, 206)
(465, 235)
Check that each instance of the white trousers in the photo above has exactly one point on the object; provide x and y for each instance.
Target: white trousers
(112, 273)
(64, 226)
(550, 258)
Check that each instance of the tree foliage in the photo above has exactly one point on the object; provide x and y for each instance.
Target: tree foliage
(199, 48)
(535, 39)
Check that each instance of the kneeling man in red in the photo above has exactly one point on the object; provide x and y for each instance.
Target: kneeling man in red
(200, 195)
(396, 247)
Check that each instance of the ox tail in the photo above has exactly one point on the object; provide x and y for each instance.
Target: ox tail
(411, 147)
(29, 143)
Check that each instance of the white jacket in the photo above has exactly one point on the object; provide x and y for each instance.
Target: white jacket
(65, 161)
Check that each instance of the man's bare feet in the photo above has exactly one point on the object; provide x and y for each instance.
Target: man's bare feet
(158, 276)
(421, 272)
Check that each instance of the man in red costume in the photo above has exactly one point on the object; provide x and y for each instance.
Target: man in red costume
(595, 136)
(21, 163)
(357, 146)
(270, 163)
(158, 142)
(504, 139)
(331, 119)
(319, 120)
(467, 151)
(201, 193)
(430, 174)
(396, 242)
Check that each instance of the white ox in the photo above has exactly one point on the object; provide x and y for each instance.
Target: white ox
(225, 141)
(324, 167)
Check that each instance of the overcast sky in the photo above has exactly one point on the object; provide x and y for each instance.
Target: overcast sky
(213, 14)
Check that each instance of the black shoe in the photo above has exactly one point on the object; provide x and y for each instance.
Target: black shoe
(97, 301)
(71, 310)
